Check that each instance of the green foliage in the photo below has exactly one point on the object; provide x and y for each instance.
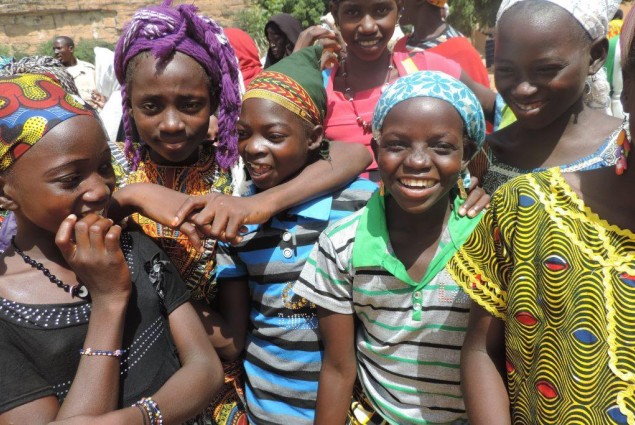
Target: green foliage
(83, 48)
(253, 18)
(467, 15)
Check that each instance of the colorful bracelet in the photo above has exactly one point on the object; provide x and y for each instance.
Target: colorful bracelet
(90, 352)
(143, 413)
(152, 409)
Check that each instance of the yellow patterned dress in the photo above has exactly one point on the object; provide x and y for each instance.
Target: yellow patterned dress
(196, 268)
(563, 280)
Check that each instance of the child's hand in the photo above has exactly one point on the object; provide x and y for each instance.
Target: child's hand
(91, 248)
(220, 216)
(477, 200)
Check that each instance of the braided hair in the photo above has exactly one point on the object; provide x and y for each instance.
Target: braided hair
(162, 31)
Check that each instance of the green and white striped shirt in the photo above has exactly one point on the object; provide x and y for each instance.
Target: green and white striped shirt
(410, 334)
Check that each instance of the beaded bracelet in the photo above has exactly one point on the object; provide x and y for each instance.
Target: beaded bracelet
(143, 413)
(90, 352)
(152, 409)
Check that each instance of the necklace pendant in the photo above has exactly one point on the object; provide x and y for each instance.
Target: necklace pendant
(81, 291)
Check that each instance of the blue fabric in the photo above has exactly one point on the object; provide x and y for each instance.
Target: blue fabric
(283, 354)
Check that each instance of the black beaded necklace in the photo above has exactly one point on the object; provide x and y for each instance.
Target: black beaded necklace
(75, 291)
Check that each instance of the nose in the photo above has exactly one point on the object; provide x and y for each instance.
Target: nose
(171, 121)
(418, 159)
(525, 88)
(253, 147)
(98, 189)
(368, 25)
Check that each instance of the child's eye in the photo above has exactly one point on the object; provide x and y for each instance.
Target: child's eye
(384, 10)
(549, 69)
(192, 106)
(351, 12)
(276, 137)
(106, 168)
(242, 134)
(393, 146)
(70, 181)
(443, 148)
(150, 108)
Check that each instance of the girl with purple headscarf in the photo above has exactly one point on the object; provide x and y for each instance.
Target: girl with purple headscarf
(177, 68)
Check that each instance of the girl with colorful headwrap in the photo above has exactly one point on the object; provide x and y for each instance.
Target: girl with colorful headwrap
(176, 69)
(548, 53)
(92, 318)
(551, 271)
(388, 310)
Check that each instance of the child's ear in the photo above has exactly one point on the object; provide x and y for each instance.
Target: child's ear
(375, 148)
(6, 201)
(599, 51)
(316, 135)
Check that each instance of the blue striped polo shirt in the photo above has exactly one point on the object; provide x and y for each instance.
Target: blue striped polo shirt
(283, 351)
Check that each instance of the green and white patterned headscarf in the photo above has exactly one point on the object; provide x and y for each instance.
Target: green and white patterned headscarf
(437, 85)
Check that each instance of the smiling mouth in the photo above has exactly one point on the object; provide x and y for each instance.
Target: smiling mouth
(417, 184)
(528, 107)
(369, 43)
(257, 170)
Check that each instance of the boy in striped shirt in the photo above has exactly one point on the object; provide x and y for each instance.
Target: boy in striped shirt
(280, 132)
(387, 307)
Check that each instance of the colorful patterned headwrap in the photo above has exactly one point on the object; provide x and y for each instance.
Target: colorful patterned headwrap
(294, 83)
(439, 86)
(438, 3)
(593, 15)
(30, 106)
(163, 30)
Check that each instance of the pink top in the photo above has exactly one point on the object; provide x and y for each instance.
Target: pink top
(341, 120)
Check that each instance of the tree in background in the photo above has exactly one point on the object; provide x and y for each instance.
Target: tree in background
(254, 18)
(468, 15)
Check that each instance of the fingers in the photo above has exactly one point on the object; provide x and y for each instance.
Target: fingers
(111, 241)
(194, 203)
(97, 233)
(193, 235)
(476, 202)
(64, 237)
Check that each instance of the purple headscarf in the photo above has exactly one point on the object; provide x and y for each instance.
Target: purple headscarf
(164, 30)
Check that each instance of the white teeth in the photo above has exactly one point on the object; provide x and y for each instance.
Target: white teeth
(259, 168)
(368, 43)
(529, 106)
(423, 184)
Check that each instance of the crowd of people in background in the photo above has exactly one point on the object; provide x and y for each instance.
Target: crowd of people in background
(357, 226)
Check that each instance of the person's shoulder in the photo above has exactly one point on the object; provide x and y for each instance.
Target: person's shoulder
(360, 188)
(86, 65)
(344, 229)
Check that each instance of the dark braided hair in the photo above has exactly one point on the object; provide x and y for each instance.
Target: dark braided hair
(164, 30)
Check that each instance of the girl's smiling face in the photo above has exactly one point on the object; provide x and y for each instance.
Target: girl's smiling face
(541, 65)
(274, 142)
(69, 171)
(170, 107)
(366, 25)
(421, 152)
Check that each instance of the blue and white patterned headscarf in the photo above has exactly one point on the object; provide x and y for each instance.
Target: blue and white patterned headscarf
(439, 86)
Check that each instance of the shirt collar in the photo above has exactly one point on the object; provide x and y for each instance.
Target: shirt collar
(372, 241)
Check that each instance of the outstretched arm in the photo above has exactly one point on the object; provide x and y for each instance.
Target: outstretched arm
(483, 370)
(222, 216)
(338, 372)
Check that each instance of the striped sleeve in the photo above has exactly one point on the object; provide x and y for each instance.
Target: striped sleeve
(228, 263)
(326, 279)
(483, 266)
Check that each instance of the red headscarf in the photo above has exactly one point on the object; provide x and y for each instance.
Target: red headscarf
(247, 53)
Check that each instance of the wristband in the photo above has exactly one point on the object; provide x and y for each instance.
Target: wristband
(90, 352)
(152, 409)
